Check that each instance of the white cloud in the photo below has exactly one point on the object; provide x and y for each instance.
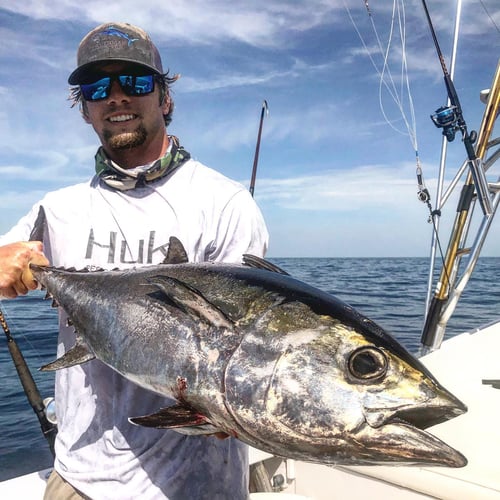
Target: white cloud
(256, 23)
(356, 189)
(325, 132)
(50, 167)
(21, 200)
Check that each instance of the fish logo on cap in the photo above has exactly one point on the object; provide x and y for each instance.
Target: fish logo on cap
(112, 31)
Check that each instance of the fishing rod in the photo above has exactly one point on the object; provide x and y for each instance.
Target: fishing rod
(43, 408)
(49, 428)
(265, 110)
(450, 118)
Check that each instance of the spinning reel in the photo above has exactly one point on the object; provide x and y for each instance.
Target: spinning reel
(446, 117)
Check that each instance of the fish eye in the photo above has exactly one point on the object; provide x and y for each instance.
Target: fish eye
(367, 364)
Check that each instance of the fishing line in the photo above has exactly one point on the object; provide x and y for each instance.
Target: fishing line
(44, 408)
(383, 70)
(45, 416)
(489, 16)
(6, 321)
(9, 324)
(403, 94)
(20, 331)
(398, 93)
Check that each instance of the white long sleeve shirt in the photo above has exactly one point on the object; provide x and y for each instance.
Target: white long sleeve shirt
(97, 450)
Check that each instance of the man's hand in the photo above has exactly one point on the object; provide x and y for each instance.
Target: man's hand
(15, 274)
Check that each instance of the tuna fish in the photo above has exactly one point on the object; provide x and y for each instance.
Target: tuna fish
(252, 352)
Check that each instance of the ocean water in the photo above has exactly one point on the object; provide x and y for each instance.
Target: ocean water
(390, 291)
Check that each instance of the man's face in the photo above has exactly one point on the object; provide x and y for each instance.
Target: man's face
(125, 122)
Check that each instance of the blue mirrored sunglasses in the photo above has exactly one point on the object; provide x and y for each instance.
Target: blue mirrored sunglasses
(132, 85)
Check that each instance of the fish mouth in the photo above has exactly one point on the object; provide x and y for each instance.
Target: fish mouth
(427, 416)
(415, 446)
(402, 436)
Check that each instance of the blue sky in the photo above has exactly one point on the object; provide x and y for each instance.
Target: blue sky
(335, 179)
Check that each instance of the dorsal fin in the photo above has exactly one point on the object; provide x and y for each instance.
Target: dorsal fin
(40, 227)
(259, 263)
(176, 254)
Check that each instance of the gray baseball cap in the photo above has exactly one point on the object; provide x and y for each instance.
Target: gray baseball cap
(115, 42)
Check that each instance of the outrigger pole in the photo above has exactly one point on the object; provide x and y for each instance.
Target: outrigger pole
(265, 110)
(448, 291)
(49, 429)
(451, 120)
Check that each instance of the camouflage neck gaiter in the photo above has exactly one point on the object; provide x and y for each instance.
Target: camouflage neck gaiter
(123, 179)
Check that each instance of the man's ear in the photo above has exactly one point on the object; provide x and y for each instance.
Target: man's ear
(84, 112)
(166, 104)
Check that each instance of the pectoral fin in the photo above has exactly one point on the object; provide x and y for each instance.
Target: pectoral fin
(191, 301)
(78, 354)
(178, 417)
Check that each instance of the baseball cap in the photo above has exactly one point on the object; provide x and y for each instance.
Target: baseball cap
(115, 42)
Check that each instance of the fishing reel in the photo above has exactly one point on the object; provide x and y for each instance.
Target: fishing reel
(446, 118)
(50, 410)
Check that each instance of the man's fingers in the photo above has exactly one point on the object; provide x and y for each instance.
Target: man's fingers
(21, 288)
(27, 281)
(16, 277)
(37, 256)
(9, 293)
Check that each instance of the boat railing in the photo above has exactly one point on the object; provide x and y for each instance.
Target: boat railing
(453, 277)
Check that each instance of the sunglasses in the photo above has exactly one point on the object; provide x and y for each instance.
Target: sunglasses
(131, 85)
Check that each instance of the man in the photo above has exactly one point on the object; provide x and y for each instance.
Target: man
(146, 189)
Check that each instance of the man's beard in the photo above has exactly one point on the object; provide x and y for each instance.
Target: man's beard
(125, 140)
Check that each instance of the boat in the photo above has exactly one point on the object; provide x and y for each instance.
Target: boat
(466, 364)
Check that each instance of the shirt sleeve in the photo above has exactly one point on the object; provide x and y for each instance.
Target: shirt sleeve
(240, 229)
(21, 231)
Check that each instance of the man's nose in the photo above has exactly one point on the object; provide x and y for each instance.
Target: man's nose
(116, 93)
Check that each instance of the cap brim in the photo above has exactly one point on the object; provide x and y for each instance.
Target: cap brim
(79, 75)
